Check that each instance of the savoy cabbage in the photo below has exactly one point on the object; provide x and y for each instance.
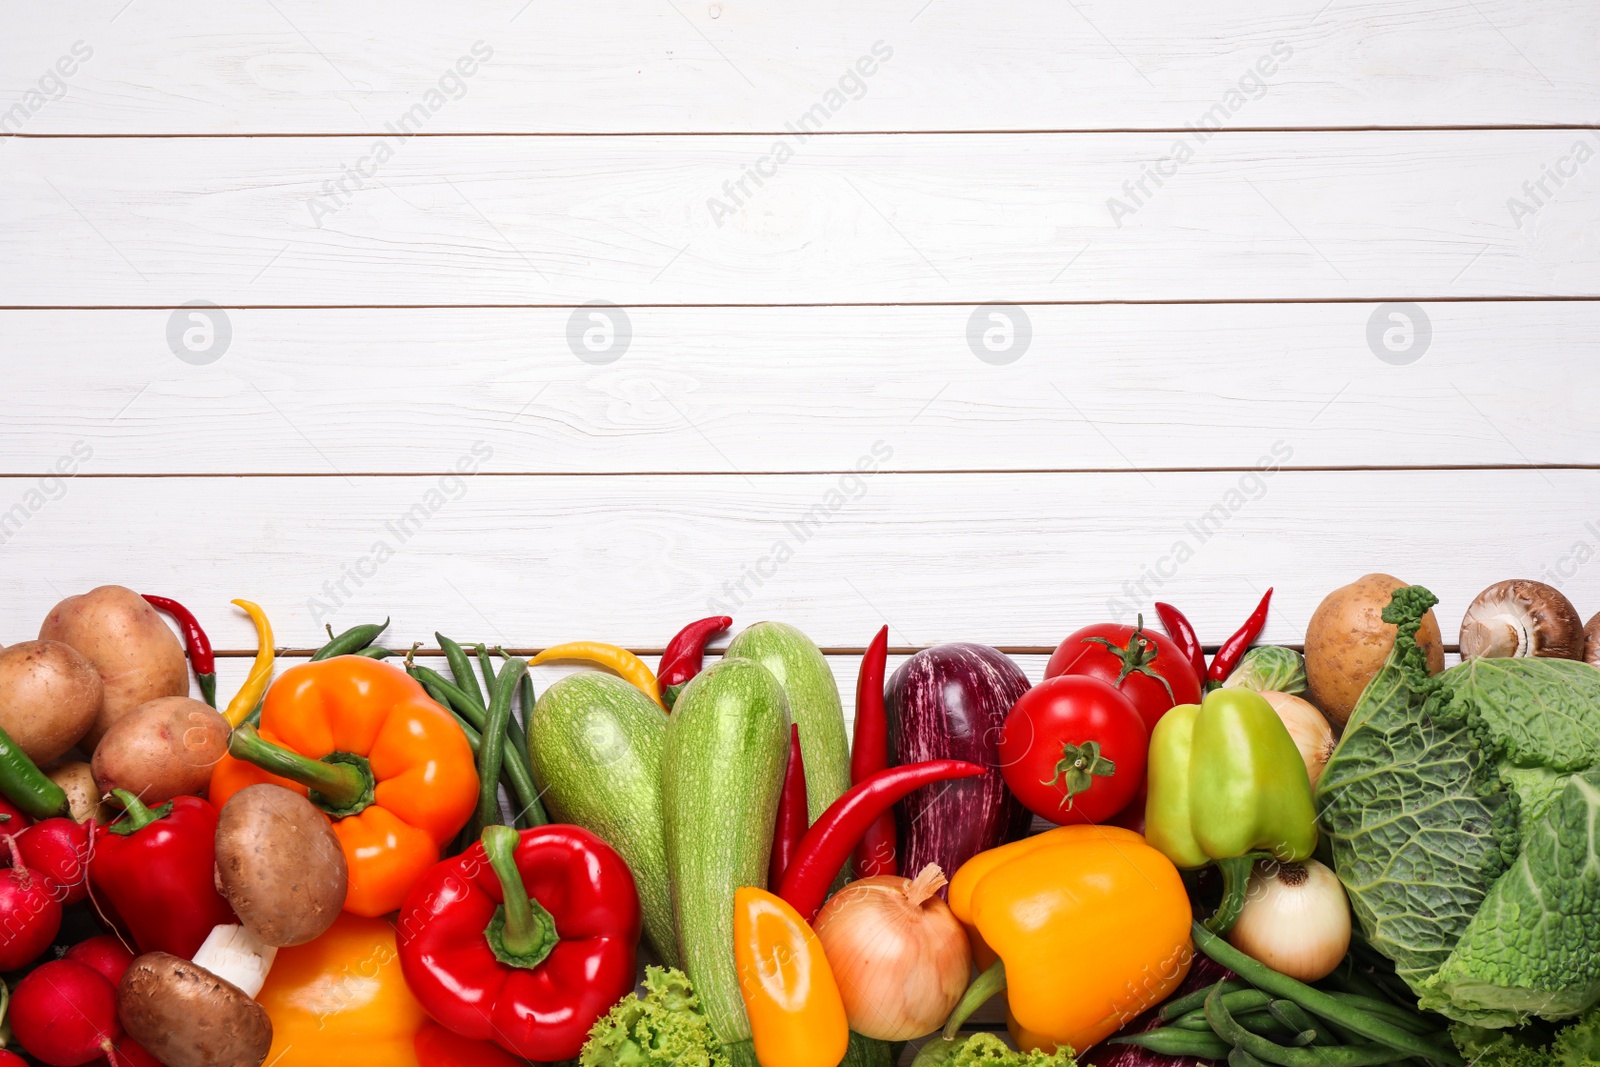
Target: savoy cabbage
(1463, 813)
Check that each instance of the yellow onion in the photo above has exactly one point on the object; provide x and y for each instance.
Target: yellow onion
(898, 954)
(1296, 919)
(1308, 727)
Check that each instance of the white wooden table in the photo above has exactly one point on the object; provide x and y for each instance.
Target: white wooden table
(1352, 242)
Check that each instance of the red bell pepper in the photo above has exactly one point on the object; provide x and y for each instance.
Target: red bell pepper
(157, 870)
(525, 939)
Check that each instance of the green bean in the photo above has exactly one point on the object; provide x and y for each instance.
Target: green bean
(1319, 1003)
(482, 653)
(374, 652)
(1168, 1041)
(1240, 1058)
(454, 698)
(1195, 1001)
(1295, 1018)
(519, 726)
(352, 640)
(1388, 1009)
(461, 667)
(1228, 1029)
(1239, 1000)
(492, 755)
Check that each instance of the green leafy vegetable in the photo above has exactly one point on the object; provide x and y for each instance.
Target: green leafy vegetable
(1576, 1046)
(986, 1050)
(1463, 813)
(664, 1028)
(1270, 668)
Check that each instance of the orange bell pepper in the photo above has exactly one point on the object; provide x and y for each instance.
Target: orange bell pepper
(1091, 925)
(390, 767)
(341, 999)
(797, 1017)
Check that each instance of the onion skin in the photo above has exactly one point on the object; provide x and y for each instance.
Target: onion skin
(899, 955)
(1296, 919)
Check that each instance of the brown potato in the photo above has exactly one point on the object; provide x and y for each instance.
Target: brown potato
(162, 749)
(139, 658)
(83, 795)
(188, 1017)
(279, 865)
(50, 695)
(1347, 642)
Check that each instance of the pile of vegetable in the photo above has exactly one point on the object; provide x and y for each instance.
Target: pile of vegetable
(1342, 856)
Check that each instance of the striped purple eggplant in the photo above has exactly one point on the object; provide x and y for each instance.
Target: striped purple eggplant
(949, 702)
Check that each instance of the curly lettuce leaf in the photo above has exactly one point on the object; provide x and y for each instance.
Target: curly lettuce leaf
(664, 1028)
(1533, 949)
(1417, 818)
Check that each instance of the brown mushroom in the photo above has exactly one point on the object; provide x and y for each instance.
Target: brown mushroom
(280, 865)
(1521, 617)
(188, 1017)
(1591, 641)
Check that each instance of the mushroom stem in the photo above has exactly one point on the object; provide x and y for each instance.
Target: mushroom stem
(235, 955)
(1499, 637)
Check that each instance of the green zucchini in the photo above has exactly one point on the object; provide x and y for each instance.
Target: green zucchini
(596, 744)
(808, 682)
(722, 770)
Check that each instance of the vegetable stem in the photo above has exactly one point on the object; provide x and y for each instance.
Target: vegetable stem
(522, 933)
(341, 783)
(978, 993)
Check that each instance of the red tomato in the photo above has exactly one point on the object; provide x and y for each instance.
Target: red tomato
(1073, 750)
(1144, 665)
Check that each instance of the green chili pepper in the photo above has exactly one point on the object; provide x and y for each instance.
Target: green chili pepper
(25, 785)
(351, 641)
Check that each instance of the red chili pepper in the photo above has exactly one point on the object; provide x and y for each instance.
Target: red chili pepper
(792, 824)
(685, 654)
(1234, 648)
(831, 839)
(157, 869)
(524, 939)
(1182, 633)
(196, 641)
(869, 754)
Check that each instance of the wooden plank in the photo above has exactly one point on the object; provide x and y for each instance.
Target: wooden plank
(301, 67)
(774, 389)
(1014, 560)
(886, 219)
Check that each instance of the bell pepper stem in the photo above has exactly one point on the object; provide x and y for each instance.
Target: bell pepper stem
(522, 933)
(136, 816)
(1235, 877)
(978, 993)
(341, 783)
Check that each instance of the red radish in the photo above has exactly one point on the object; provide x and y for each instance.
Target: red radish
(30, 917)
(11, 1059)
(14, 823)
(106, 954)
(65, 1013)
(59, 849)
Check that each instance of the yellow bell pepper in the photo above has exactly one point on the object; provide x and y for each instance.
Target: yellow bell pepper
(1091, 926)
(341, 999)
(796, 1014)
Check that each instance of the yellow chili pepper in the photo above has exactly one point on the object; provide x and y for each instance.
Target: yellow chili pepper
(255, 684)
(342, 999)
(797, 1017)
(618, 660)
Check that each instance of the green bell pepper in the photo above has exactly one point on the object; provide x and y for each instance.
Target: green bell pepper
(1227, 786)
